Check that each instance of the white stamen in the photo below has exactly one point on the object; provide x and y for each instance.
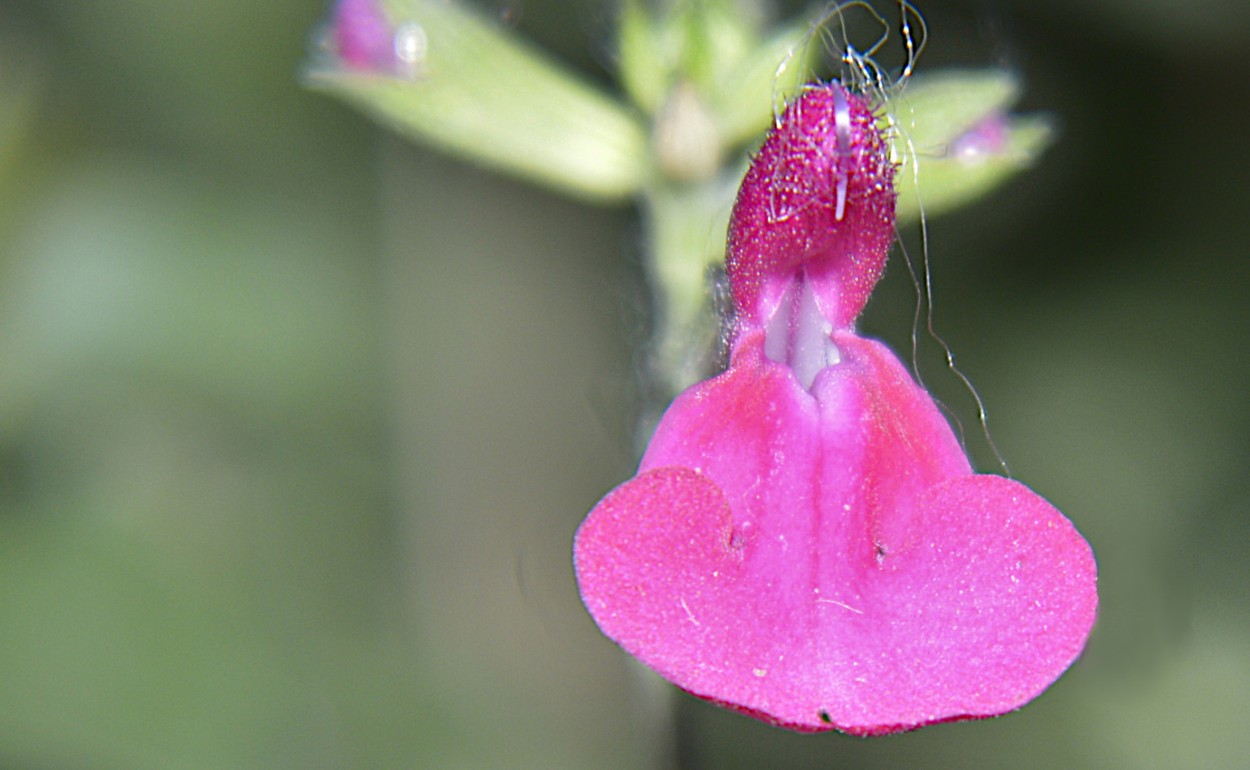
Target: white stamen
(842, 132)
(812, 349)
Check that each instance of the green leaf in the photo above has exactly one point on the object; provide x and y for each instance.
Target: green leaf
(480, 93)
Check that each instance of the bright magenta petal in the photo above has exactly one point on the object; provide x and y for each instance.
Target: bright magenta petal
(982, 612)
(654, 551)
(828, 560)
(805, 540)
(866, 438)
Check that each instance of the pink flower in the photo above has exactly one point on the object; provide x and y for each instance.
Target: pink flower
(805, 540)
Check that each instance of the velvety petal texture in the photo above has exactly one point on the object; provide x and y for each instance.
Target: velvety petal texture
(830, 560)
(805, 540)
(818, 196)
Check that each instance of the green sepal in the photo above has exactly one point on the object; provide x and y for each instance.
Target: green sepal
(643, 61)
(481, 94)
(744, 101)
(702, 71)
(935, 185)
(934, 108)
(717, 34)
(932, 113)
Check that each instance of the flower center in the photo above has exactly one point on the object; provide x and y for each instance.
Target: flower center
(799, 335)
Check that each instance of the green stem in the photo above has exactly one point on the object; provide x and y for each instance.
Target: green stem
(686, 229)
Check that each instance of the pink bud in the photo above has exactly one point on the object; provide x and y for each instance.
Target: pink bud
(987, 138)
(365, 39)
(363, 35)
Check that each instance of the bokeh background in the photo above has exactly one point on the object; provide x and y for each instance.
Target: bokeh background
(297, 419)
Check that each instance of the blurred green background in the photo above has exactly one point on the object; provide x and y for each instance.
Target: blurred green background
(297, 420)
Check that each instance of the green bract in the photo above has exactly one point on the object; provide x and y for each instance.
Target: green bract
(481, 93)
(932, 113)
(716, 49)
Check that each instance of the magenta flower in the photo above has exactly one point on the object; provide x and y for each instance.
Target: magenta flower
(805, 540)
